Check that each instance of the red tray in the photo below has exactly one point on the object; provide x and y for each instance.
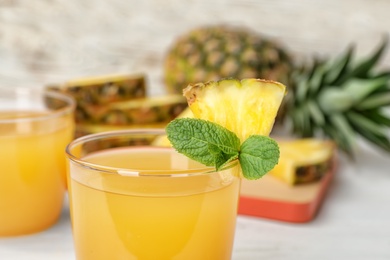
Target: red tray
(270, 198)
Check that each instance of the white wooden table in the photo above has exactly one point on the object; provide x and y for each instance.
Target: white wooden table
(353, 223)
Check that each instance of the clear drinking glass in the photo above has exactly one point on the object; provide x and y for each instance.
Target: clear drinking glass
(35, 127)
(134, 197)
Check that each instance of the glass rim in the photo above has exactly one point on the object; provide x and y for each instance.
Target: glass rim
(69, 108)
(134, 172)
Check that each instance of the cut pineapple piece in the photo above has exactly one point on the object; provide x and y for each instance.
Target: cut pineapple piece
(303, 160)
(91, 93)
(153, 112)
(104, 89)
(246, 107)
(142, 111)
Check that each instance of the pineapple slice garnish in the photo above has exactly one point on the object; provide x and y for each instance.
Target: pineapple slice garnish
(247, 107)
(233, 121)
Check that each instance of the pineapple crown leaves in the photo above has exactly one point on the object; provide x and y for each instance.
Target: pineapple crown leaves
(342, 99)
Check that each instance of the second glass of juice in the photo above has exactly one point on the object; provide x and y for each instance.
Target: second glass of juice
(35, 127)
(134, 197)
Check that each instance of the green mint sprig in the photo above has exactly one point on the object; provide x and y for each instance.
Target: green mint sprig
(214, 145)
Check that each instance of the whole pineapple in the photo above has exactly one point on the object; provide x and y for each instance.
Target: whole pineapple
(215, 52)
(338, 99)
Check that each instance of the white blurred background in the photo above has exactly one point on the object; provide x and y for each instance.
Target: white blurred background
(49, 41)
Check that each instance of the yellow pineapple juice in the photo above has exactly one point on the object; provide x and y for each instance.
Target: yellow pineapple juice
(147, 202)
(32, 161)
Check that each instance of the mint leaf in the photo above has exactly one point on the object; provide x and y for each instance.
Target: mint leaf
(203, 141)
(259, 154)
(214, 145)
(222, 159)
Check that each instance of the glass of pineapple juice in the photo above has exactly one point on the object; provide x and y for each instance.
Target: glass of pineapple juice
(35, 127)
(134, 197)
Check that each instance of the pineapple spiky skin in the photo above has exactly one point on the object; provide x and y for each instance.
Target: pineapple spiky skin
(341, 99)
(214, 52)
